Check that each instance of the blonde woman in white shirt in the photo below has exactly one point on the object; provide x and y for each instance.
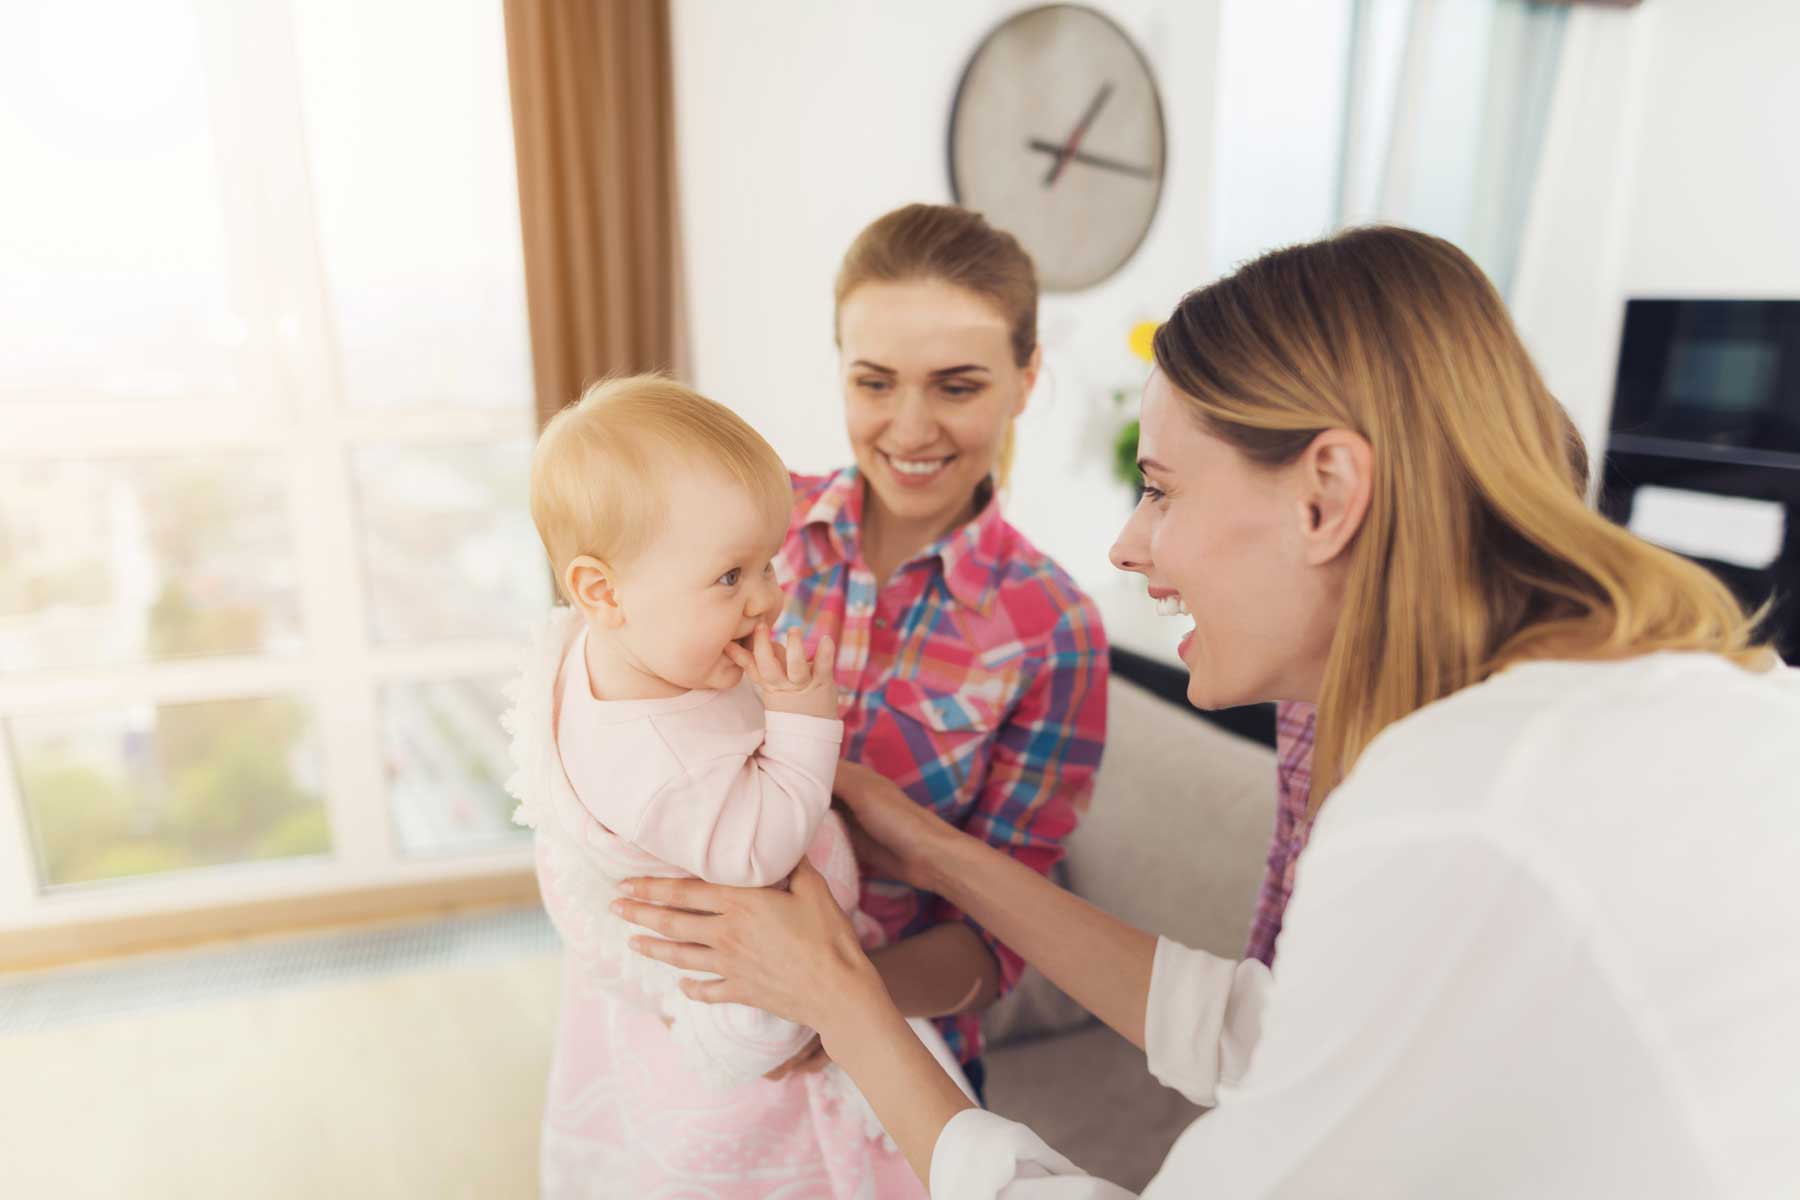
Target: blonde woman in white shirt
(1546, 937)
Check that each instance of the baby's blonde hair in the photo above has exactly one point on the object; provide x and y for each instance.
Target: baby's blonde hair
(599, 473)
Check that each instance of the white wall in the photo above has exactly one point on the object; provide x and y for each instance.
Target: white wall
(1672, 168)
(799, 122)
(1716, 200)
(1279, 124)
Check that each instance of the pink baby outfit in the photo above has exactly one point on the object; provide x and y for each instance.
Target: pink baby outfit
(708, 782)
(651, 1093)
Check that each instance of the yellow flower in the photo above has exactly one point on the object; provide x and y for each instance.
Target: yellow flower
(1142, 335)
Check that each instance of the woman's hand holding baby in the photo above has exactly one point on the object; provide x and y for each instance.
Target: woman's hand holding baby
(792, 953)
(793, 686)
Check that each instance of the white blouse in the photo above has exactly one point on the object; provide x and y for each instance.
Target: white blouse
(1545, 941)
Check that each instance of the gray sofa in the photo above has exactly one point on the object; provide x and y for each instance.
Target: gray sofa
(1174, 843)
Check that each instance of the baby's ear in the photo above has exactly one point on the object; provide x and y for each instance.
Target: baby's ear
(589, 584)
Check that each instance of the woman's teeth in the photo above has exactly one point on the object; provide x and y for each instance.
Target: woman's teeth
(1172, 606)
(917, 466)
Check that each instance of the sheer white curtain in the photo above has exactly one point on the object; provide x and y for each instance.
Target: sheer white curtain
(1444, 128)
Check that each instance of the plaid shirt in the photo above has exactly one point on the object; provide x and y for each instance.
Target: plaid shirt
(975, 679)
(1294, 729)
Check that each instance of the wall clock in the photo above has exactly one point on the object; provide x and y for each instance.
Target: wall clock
(1056, 136)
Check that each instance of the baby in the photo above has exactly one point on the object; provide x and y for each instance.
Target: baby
(644, 748)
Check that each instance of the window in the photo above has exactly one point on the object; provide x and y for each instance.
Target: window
(265, 420)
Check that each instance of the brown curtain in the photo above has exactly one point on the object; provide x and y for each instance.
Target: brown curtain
(594, 129)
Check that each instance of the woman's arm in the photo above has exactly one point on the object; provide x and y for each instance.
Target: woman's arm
(1099, 960)
(911, 1095)
(1103, 963)
(945, 970)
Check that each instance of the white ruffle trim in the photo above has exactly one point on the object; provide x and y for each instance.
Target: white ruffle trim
(529, 717)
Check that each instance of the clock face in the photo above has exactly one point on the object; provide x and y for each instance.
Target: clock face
(1056, 136)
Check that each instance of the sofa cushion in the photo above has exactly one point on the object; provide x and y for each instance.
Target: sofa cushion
(1034, 1008)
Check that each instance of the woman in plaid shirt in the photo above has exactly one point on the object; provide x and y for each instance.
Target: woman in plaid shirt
(972, 669)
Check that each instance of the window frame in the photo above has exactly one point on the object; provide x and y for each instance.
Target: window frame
(277, 279)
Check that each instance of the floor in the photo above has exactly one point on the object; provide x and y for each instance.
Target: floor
(400, 1062)
(403, 1063)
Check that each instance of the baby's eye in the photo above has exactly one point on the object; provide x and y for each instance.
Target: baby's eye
(731, 577)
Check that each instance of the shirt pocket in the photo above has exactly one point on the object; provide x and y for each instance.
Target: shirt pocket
(976, 707)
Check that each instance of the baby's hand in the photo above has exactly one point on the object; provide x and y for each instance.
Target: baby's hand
(795, 687)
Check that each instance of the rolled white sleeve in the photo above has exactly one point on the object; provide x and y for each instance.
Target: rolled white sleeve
(1203, 1019)
(980, 1156)
(1201, 1022)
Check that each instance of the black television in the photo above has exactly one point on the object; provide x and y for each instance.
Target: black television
(1712, 382)
(1707, 399)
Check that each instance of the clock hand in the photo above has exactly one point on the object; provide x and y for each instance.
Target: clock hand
(1074, 143)
(1093, 160)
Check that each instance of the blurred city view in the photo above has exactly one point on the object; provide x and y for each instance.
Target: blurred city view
(113, 563)
(138, 791)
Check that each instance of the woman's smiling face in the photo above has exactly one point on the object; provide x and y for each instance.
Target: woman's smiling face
(930, 389)
(1226, 539)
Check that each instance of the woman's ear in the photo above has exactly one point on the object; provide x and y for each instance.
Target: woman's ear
(591, 588)
(1028, 377)
(1336, 476)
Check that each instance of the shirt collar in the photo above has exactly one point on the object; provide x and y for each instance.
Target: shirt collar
(838, 509)
(969, 555)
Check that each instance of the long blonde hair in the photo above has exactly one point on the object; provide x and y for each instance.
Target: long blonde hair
(1477, 550)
